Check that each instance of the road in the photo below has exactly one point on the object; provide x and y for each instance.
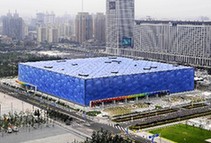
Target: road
(21, 95)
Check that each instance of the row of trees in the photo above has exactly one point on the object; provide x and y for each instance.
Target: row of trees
(9, 61)
(21, 119)
(103, 136)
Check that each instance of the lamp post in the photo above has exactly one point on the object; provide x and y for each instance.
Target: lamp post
(12, 107)
(0, 110)
(22, 106)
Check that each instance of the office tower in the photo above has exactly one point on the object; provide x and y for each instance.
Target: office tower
(83, 27)
(45, 18)
(53, 35)
(1, 27)
(48, 34)
(173, 41)
(65, 30)
(99, 27)
(40, 18)
(49, 18)
(13, 26)
(119, 25)
(42, 34)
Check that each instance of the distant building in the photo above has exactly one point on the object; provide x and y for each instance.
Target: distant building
(45, 18)
(51, 28)
(65, 30)
(41, 34)
(40, 18)
(13, 26)
(83, 27)
(1, 29)
(99, 27)
(119, 25)
(49, 18)
(48, 34)
(53, 35)
(172, 41)
(5, 40)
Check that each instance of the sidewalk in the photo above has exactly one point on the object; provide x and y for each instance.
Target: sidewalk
(146, 135)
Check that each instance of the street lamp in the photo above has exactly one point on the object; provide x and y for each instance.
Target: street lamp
(22, 107)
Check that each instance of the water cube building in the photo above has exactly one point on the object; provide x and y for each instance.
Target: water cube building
(90, 81)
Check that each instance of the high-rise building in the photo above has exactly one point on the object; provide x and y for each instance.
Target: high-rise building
(45, 18)
(49, 18)
(42, 34)
(65, 30)
(119, 25)
(13, 26)
(40, 18)
(83, 27)
(172, 41)
(1, 27)
(99, 27)
(53, 35)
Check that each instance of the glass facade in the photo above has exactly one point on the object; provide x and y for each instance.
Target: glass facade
(84, 80)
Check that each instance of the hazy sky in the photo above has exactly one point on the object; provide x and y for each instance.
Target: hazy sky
(154, 8)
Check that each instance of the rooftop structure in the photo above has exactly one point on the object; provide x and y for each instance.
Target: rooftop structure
(174, 23)
(105, 79)
(103, 67)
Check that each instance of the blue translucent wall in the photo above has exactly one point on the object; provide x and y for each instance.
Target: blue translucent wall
(174, 81)
(83, 91)
(56, 84)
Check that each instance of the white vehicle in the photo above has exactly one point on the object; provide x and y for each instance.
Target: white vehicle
(9, 130)
(14, 129)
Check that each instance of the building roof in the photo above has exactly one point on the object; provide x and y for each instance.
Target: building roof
(174, 23)
(103, 67)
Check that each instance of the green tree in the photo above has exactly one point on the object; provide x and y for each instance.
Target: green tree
(104, 136)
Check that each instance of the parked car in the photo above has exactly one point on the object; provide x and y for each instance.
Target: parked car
(9, 130)
(14, 129)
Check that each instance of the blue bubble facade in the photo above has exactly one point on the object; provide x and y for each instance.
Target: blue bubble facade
(83, 80)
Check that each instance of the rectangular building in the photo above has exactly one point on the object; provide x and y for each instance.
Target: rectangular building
(172, 41)
(83, 81)
(119, 25)
(83, 27)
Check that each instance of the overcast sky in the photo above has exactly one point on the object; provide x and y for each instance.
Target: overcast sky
(155, 8)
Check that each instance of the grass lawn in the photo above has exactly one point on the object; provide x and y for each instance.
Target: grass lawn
(183, 134)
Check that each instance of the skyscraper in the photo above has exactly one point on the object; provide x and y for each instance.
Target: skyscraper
(45, 18)
(53, 35)
(99, 27)
(48, 34)
(83, 27)
(119, 25)
(42, 34)
(13, 26)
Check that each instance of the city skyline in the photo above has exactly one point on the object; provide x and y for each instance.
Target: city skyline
(159, 9)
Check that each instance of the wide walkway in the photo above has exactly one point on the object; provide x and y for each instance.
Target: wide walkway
(10, 104)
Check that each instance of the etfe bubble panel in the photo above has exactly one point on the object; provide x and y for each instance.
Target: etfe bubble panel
(172, 81)
(84, 80)
(56, 84)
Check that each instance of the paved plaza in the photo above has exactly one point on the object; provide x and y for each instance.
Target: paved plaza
(10, 104)
(43, 134)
